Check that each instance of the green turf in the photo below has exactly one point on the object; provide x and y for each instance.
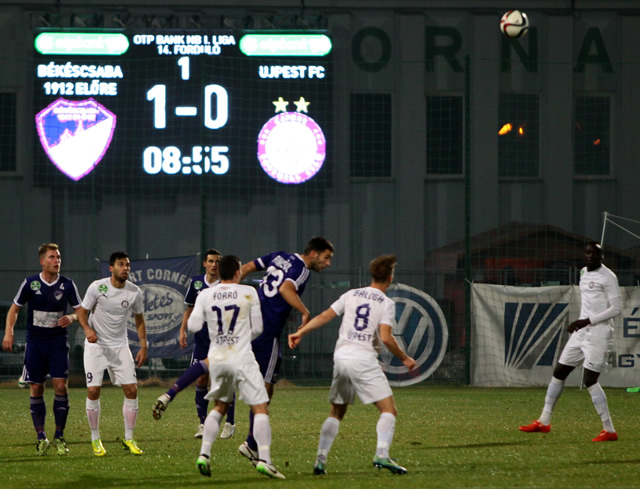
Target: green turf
(447, 437)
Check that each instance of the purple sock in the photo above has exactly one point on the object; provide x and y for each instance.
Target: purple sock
(231, 412)
(60, 413)
(202, 405)
(187, 378)
(38, 413)
(251, 441)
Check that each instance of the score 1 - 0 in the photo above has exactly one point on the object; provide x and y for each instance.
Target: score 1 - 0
(170, 159)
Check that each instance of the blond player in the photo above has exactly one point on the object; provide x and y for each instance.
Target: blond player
(368, 317)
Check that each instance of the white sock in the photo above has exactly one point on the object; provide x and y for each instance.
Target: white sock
(385, 428)
(211, 428)
(553, 394)
(93, 416)
(602, 408)
(130, 414)
(328, 433)
(262, 434)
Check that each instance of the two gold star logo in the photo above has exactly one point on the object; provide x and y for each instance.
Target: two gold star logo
(281, 105)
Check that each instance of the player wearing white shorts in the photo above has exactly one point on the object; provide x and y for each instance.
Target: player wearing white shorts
(111, 301)
(368, 318)
(232, 314)
(588, 344)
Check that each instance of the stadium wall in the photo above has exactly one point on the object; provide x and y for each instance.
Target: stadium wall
(411, 54)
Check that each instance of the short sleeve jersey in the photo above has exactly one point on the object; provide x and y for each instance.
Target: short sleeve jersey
(198, 284)
(47, 302)
(597, 288)
(231, 312)
(363, 310)
(280, 267)
(111, 310)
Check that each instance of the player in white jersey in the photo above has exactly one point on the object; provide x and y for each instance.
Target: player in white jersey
(588, 344)
(368, 318)
(111, 301)
(233, 317)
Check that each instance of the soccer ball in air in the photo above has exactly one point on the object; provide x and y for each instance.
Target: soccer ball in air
(514, 24)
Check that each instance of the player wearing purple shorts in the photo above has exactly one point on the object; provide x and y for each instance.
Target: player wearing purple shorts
(284, 281)
(47, 348)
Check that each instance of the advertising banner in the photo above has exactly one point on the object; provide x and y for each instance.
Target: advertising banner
(164, 283)
(518, 334)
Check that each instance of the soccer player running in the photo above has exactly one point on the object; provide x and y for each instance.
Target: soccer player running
(589, 342)
(368, 318)
(111, 301)
(201, 341)
(232, 313)
(279, 291)
(47, 346)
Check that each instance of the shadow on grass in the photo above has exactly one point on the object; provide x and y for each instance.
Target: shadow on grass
(162, 481)
(476, 445)
(608, 462)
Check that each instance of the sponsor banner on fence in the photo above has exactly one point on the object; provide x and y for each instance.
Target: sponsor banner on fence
(518, 334)
(164, 284)
(421, 330)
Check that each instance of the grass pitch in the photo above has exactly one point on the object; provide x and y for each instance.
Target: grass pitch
(447, 437)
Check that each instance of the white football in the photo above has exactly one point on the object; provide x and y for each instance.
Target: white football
(514, 24)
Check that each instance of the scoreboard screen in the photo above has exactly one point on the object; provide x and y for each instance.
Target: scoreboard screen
(181, 106)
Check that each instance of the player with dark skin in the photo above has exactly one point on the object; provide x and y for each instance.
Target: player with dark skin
(588, 344)
(593, 260)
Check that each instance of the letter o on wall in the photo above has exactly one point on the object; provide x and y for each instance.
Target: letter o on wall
(356, 49)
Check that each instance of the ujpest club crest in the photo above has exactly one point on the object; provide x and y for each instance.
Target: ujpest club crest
(75, 134)
(291, 145)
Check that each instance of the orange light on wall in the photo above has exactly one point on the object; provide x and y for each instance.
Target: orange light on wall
(505, 129)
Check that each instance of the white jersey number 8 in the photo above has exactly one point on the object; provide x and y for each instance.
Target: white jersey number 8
(362, 317)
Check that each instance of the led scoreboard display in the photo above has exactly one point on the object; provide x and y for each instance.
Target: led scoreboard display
(181, 105)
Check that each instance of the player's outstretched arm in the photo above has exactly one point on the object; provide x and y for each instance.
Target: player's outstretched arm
(246, 269)
(317, 322)
(386, 336)
(290, 294)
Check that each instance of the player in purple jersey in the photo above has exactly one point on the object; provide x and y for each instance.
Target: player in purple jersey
(47, 348)
(286, 275)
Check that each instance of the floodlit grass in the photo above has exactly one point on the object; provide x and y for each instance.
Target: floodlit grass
(447, 437)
